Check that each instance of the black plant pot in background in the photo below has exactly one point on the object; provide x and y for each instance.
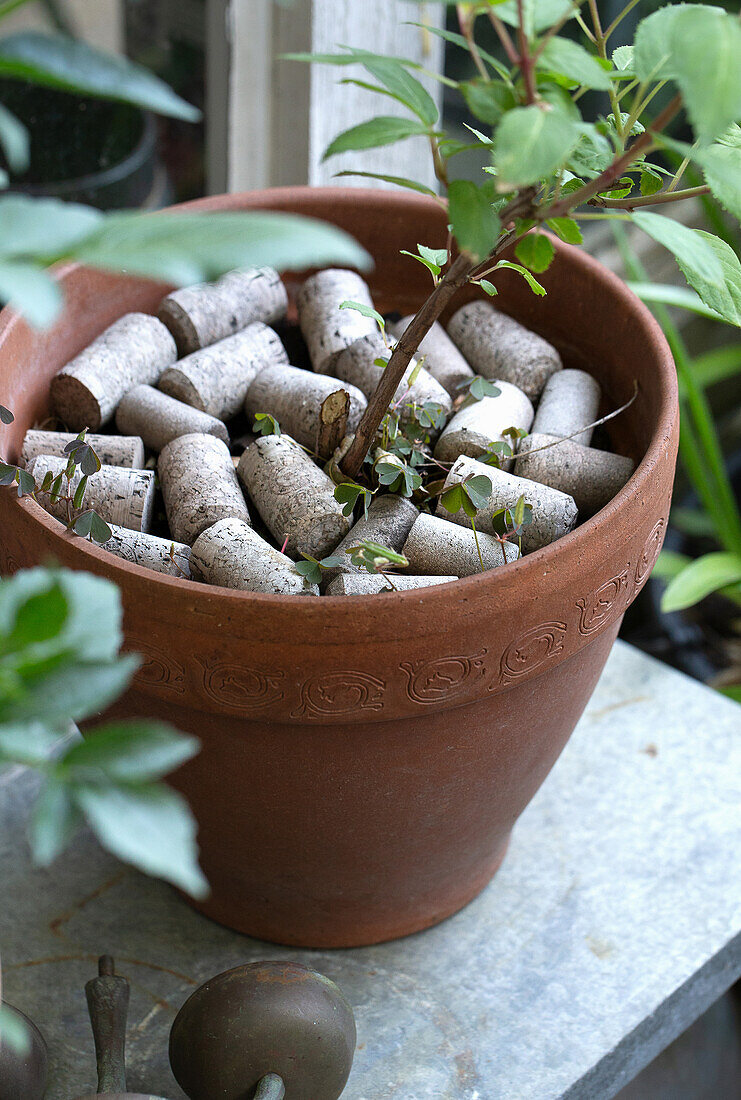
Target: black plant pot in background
(85, 150)
(694, 640)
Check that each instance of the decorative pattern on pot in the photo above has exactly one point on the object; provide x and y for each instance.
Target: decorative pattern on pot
(531, 650)
(241, 688)
(597, 608)
(341, 692)
(444, 678)
(651, 551)
(158, 669)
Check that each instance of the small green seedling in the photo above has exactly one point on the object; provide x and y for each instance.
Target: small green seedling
(500, 450)
(348, 493)
(477, 389)
(311, 569)
(375, 558)
(509, 523)
(265, 424)
(396, 475)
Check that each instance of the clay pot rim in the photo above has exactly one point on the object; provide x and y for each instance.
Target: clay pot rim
(527, 570)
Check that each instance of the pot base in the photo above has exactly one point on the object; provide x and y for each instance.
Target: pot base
(224, 909)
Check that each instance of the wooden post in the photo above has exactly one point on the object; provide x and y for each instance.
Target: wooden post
(269, 121)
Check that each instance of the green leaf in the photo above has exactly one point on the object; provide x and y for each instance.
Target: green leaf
(193, 248)
(39, 619)
(539, 15)
(731, 691)
(73, 66)
(474, 222)
(31, 291)
(478, 489)
(622, 58)
(708, 264)
(488, 100)
(699, 579)
(535, 286)
(458, 40)
(563, 56)
(72, 692)
(366, 311)
(488, 287)
(54, 822)
(382, 130)
(404, 87)
(721, 163)
(699, 47)
(536, 252)
(29, 743)
(149, 826)
(398, 181)
(6, 416)
(680, 296)
(565, 228)
(130, 752)
(100, 532)
(650, 183)
(309, 570)
(530, 144)
(14, 140)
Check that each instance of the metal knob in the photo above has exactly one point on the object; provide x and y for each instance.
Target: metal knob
(264, 1031)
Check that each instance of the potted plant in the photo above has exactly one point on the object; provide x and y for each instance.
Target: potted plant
(364, 760)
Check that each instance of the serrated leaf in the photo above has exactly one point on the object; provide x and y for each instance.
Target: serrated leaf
(530, 143)
(622, 58)
(565, 228)
(563, 56)
(134, 751)
(487, 100)
(708, 264)
(536, 252)
(149, 826)
(70, 64)
(703, 576)
(474, 222)
(382, 130)
(698, 46)
(721, 164)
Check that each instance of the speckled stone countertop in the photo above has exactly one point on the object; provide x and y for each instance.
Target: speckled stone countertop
(614, 922)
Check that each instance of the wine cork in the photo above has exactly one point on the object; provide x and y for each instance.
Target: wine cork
(326, 328)
(497, 346)
(472, 429)
(198, 316)
(357, 365)
(119, 495)
(294, 497)
(388, 523)
(294, 397)
(149, 551)
(216, 378)
(134, 349)
(159, 419)
(112, 450)
(232, 555)
(367, 584)
(442, 359)
(590, 476)
(199, 485)
(570, 400)
(435, 545)
(554, 513)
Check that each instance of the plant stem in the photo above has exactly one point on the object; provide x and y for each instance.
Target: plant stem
(478, 548)
(466, 26)
(455, 277)
(504, 37)
(558, 26)
(642, 144)
(651, 200)
(601, 43)
(526, 62)
(619, 18)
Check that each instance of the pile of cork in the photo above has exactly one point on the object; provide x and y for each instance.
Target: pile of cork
(240, 511)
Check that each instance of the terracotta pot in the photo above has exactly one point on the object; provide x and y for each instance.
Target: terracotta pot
(364, 760)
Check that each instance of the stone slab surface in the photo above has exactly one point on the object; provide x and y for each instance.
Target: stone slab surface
(614, 922)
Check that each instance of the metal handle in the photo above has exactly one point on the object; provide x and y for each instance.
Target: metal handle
(108, 1003)
(271, 1087)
